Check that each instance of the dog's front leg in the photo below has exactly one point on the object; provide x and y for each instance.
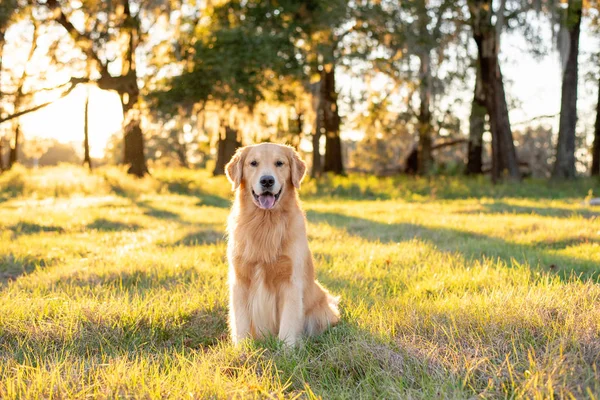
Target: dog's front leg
(292, 315)
(239, 313)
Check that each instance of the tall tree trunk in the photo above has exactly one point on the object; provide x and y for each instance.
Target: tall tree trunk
(504, 155)
(476, 129)
(331, 121)
(86, 137)
(425, 157)
(134, 137)
(596, 147)
(564, 166)
(226, 147)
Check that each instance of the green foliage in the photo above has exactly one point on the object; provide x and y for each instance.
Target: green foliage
(247, 54)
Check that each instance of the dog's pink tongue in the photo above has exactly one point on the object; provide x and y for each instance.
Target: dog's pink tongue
(267, 201)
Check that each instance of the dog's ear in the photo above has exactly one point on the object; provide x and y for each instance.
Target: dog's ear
(234, 168)
(298, 168)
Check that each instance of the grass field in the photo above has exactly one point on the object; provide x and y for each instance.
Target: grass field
(451, 288)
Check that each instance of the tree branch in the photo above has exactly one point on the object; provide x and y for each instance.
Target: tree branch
(74, 82)
(535, 119)
(448, 143)
(83, 40)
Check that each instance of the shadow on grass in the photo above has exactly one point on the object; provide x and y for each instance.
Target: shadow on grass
(28, 228)
(500, 207)
(158, 213)
(201, 237)
(211, 200)
(113, 332)
(106, 225)
(100, 336)
(188, 188)
(13, 266)
(471, 245)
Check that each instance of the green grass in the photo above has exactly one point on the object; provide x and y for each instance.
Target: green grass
(451, 288)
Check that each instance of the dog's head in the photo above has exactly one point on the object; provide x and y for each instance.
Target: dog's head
(266, 171)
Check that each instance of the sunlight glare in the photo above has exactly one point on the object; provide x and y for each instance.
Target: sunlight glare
(64, 119)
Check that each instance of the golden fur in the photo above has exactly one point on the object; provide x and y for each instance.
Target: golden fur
(271, 273)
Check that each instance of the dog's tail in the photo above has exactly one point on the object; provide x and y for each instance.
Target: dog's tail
(323, 313)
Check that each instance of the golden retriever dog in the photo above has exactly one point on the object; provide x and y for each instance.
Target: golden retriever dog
(272, 283)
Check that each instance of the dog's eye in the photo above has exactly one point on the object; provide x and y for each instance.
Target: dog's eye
(254, 163)
(278, 163)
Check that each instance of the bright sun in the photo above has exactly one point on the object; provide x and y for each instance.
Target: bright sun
(64, 119)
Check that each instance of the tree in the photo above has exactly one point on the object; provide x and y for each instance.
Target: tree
(18, 98)
(476, 129)
(110, 23)
(564, 166)
(7, 10)
(329, 121)
(257, 40)
(417, 52)
(595, 171)
(323, 26)
(486, 36)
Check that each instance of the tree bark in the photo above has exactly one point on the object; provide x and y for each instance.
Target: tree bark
(2, 40)
(316, 152)
(13, 153)
(425, 157)
(596, 147)
(504, 155)
(331, 122)
(134, 149)
(564, 166)
(226, 147)
(316, 167)
(86, 138)
(476, 129)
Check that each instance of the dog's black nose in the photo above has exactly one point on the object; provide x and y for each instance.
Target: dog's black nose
(267, 181)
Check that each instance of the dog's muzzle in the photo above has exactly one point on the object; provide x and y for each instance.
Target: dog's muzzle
(266, 200)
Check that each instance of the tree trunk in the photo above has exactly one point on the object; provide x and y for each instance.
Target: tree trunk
(331, 122)
(134, 149)
(476, 129)
(1, 138)
(13, 154)
(316, 167)
(86, 138)
(596, 147)
(316, 157)
(504, 155)
(564, 166)
(133, 137)
(425, 158)
(226, 147)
